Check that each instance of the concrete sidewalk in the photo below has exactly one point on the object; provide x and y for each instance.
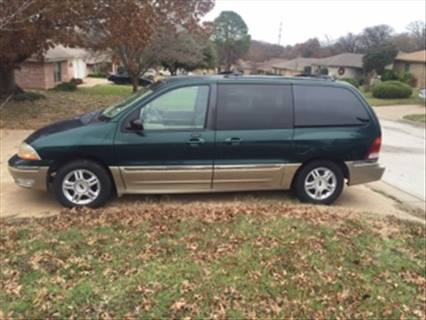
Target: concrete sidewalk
(404, 155)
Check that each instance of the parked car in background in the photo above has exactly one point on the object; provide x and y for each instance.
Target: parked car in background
(123, 78)
(210, 134)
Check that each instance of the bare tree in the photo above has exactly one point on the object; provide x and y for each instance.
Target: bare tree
(417, 30)
(376, 36)
(348, 43)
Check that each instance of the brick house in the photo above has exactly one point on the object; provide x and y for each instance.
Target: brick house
(414, 63)
(57, 65)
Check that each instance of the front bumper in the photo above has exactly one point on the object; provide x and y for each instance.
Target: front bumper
(364, 172)
(30, 177)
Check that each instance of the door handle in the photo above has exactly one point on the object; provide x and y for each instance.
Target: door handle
(233, 141)
(195, 142)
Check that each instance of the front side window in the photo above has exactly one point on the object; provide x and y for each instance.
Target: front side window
(182, 108)
(253, 107)
(327, 106)
(57, 74)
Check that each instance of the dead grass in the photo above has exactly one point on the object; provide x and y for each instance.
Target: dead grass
(58, 106)
(248, 259)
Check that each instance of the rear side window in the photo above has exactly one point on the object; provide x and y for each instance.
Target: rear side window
(327, 106)
(251, 107)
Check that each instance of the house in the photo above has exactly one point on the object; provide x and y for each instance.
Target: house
(252, 67)
(100, 63)
(294, 67)
(57, 65)
(344, 65)
(414, 63)
(244, 66)
(266, 67)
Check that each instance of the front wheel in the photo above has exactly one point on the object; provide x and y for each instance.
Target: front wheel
(319, 182)
(82, 183)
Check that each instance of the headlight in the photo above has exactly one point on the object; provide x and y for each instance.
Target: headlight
(27, 152)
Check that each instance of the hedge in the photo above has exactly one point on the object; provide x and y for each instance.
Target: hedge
(392, 90)
(66, 86)
(352, 81)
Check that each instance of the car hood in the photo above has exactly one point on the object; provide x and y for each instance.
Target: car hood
(79, 121)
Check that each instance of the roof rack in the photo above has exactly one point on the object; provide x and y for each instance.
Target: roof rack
(315, 77)
(232, 74)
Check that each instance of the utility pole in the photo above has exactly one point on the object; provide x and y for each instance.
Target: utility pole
(280, 30)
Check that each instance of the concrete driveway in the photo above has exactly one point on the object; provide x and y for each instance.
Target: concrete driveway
(403, 154)
(19, 202)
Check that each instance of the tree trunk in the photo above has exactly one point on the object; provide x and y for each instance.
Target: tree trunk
(228, 61)
(7, 81)
(135, 84)
(368, 79)
(228, 65)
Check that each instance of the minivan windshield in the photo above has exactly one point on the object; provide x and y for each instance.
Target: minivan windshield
(116, 109)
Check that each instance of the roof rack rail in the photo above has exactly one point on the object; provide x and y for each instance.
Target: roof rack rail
(231, 74)
(315, 77)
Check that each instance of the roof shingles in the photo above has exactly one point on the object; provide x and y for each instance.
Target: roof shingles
(417, 56)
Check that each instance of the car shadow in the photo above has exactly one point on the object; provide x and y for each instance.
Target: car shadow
(276, 195)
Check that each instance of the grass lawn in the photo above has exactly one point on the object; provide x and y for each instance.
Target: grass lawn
(107, 89)
(59, 106)
(245, 260)
(414, 99)
(416, 117)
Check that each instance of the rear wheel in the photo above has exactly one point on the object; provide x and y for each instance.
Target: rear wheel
(319, 182)
(82, 183)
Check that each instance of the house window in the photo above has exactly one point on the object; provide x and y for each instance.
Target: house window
(407, 67)
(57, 74)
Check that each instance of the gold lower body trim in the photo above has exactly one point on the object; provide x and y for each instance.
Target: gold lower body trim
(201, 179)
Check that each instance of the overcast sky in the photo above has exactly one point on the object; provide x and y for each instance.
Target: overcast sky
(306, 19)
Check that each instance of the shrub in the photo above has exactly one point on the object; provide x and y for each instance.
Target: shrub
(390, 75)
(352, 81)
(28, 96)
(66, 86)
(409, 79)
(406, 77)
(97, 74)
(392, 90)
(77, 81)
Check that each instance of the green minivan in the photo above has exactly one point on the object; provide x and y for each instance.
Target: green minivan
(209, 134)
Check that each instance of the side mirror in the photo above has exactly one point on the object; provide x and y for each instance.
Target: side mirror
(135, 125)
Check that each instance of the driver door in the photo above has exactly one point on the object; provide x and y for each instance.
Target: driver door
(174, 152)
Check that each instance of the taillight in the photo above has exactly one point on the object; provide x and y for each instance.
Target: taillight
(374, 151)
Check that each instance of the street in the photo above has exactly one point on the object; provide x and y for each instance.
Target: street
(403, 154)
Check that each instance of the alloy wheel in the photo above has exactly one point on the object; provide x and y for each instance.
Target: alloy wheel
(320, 183)
(81, 187)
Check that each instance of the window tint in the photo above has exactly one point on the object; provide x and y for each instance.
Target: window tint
(183, 108)
(246, 107)
(327, 106)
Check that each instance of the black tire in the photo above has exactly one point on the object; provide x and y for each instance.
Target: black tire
(299, 182)
(105, 183)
